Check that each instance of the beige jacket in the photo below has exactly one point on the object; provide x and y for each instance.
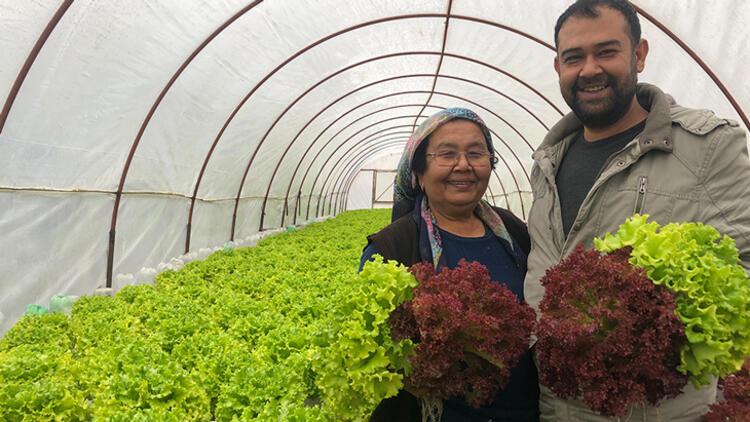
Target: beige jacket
(686, 165)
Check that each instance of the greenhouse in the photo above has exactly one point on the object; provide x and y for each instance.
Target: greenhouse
(187, 187)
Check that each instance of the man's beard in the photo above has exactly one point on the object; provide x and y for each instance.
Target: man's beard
(607, 111)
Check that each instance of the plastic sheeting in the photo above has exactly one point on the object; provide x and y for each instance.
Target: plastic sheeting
(267, 110)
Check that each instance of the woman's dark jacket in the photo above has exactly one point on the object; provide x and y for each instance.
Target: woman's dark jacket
(399, 242)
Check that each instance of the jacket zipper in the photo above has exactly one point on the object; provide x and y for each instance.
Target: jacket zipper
(640, 195)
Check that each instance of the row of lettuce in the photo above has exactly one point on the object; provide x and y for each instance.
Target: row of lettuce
(272, 332)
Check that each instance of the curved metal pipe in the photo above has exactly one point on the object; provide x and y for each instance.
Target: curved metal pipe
(697, 59)
(440, 59)
(144, 124)
(362, 156)
(346, 140)
(404, 134)
(30, 59)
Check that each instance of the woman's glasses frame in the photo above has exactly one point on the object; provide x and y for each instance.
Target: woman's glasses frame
(451, 158)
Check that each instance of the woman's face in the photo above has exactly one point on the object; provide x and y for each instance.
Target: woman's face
(461, 184)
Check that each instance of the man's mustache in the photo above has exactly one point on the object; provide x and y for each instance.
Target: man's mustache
(583, 83)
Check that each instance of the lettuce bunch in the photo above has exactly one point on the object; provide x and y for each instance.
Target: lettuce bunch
(701, 267)
(607, 333)
(364, 365)
(470, 332)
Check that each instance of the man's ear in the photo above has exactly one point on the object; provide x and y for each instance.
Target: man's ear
(557, 65)
(641, 51)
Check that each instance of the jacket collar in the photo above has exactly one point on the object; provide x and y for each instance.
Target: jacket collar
(656, 134)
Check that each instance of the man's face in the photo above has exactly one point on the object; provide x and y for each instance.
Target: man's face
(598, 67)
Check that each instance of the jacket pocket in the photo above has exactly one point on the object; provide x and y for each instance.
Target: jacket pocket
(640, 195)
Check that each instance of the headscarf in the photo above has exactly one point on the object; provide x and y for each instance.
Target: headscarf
(406, 191)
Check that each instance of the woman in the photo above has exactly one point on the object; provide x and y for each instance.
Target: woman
(441, 179)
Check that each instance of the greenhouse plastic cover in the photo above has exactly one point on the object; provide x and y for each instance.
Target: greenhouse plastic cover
(134, 133)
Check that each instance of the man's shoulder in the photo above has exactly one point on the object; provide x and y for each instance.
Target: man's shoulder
(665, 112)
(698, 121)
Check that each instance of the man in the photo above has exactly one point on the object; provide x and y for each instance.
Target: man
(627, 148)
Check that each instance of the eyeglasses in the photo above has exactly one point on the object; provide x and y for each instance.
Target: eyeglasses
(450, 158)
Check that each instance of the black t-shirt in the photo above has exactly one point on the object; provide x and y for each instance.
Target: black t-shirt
(580, 167)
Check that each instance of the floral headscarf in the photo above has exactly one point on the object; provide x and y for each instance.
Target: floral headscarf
(406, 189)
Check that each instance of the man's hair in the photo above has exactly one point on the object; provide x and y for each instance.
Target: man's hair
(587, 9)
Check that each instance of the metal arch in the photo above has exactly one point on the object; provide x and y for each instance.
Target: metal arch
(333, 35)
(147, 120)
(512, 151)
(360, 159)
(699, 61)
(384, 80)
(371, 137)
(502, 94)
(492, 194)
(405, 53)
(352, 175)
(727, 94)
(721, 86)
(307, 213)
(359, 143)
(299, 163)
(352, 136)
(339, 132)
(30, 59)
(382, 144)
(273, 125)
(349, 180)
(513, 128)
(447, 16)
(323, 186)
(257, 148)
(286, 198)
(398, 135)
(341, 197)
(341, 206)
(386, 141)
(440, 59)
